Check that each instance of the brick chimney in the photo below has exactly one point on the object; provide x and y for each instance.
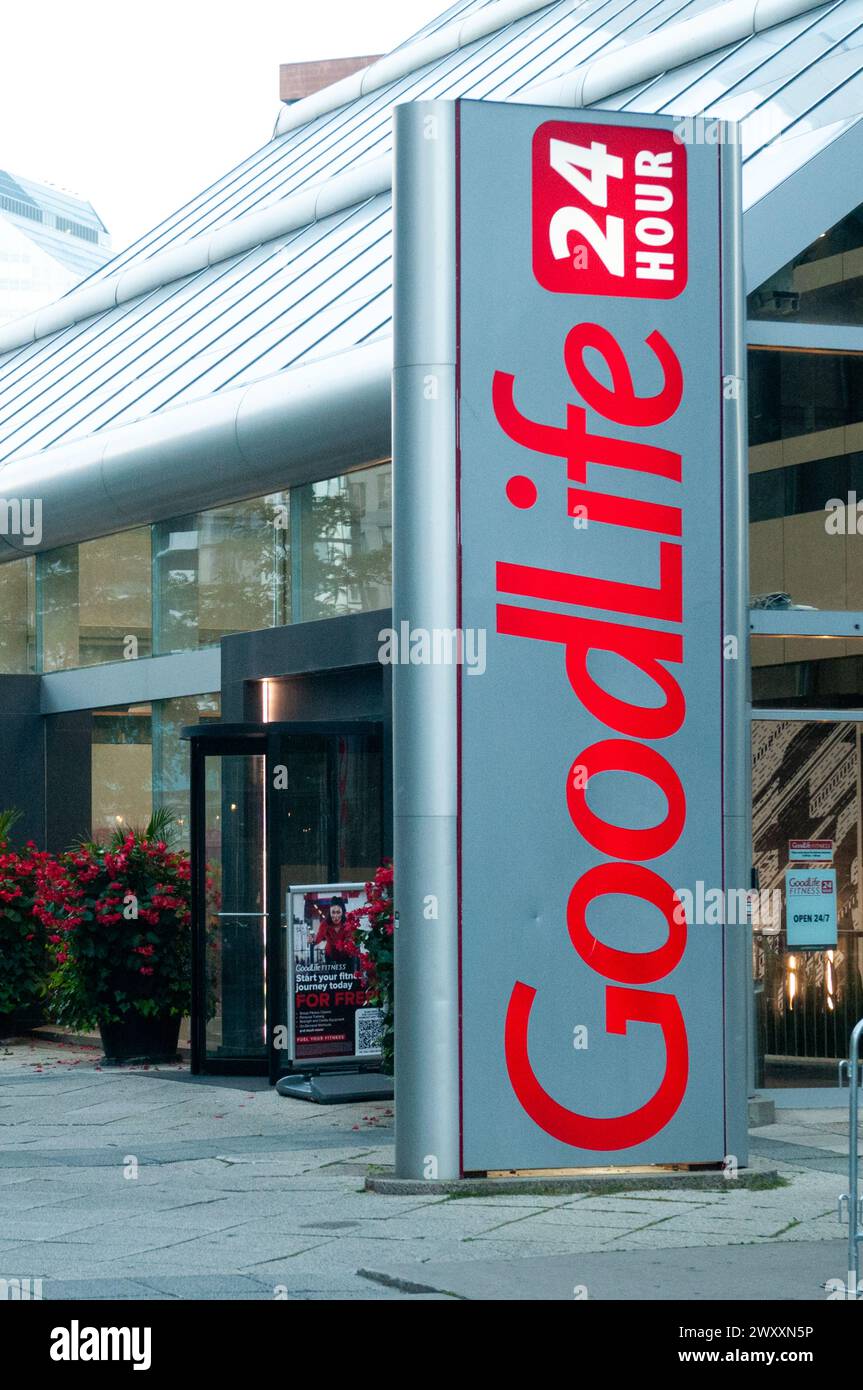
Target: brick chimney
(297, 80)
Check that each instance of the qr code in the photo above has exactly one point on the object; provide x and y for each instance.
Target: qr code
(367, 1036)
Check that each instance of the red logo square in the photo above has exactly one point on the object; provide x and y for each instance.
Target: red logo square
(609, 210)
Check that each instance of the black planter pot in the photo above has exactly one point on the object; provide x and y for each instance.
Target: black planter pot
(138, 1039)
(22, 1020)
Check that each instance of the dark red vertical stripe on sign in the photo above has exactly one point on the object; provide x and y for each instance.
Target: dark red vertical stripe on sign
(459, 670)
(722, 212)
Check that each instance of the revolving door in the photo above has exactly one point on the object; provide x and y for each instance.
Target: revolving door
(273, 805)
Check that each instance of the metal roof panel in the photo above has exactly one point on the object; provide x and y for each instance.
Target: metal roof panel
(327, 287)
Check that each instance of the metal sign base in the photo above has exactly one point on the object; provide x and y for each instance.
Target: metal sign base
(338, 1088)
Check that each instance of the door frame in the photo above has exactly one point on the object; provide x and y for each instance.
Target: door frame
(226, 740)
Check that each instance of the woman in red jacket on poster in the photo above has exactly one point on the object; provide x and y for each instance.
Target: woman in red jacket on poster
(336, 936)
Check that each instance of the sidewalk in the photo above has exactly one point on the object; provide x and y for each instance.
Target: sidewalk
(149, 1183)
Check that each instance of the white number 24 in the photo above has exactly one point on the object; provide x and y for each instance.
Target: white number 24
(588, 171)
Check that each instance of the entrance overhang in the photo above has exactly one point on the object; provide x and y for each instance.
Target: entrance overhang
(295, 427)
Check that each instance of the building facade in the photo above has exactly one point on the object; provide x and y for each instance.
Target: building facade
(49, 240)
(206, 426)
(298, 80)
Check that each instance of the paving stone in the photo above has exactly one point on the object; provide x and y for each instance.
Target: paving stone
(735, 1274)
(84, 1289)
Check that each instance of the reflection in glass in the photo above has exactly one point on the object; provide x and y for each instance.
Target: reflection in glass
(805, 474)
(121, 769)
(301, 809)
(806, 785)
(300, 830)
(221, 571)
(171, 755)
(188, 582)
(824, 284)
(346, 561)
(18, 617)
(359, 777)
(835, 681)
(802, 393)
(235, 986)
(93, 601)
(138, 763)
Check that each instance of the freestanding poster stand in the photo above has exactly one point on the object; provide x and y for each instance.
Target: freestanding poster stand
(330, 1021)
(333, 1029)
(569, 489)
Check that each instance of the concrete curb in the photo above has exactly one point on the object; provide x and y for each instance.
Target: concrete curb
(709, 1181)
(762, 1111)
(55, 1034)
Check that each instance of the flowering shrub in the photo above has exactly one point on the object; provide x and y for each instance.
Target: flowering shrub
(24, 962)
(372, 929)
(118, 920)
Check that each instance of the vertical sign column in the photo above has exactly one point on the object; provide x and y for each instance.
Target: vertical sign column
(561, 791)
(425, 599)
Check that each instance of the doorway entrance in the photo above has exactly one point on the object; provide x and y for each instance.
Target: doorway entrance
(272, 805)
(806, 785)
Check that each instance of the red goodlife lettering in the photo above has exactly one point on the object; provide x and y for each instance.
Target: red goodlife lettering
(624, 511)
(636, 881)
(621, 404)
(665, 602)
(653, 652)
(641, 646)
(574, 442)
(619, 755)
(622, 1006)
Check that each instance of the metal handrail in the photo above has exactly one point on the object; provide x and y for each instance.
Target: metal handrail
(853, 1204)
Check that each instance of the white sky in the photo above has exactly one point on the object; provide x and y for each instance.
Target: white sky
(138, 106)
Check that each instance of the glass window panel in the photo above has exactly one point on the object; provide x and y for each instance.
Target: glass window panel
(121, 769)
(300, 831)
(346, 559)
(795, 394)
(94, 601)
(114, 598)
(57, 608)
(359, 777)
(805, 476)
(18, 617)
(824, 284)
(138, 762)
(235, 991)
(805, 785)
(813, 673)
(222, 571)
(171, 755)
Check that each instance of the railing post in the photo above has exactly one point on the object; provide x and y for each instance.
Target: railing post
(855, 1234)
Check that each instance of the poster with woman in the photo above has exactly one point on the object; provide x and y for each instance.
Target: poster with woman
(331, 1016)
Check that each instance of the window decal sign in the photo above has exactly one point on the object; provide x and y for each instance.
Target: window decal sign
(810, 851)
(810, 909)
